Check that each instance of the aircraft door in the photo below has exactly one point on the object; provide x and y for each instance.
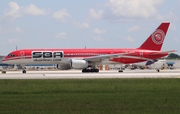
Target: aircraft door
(141, 54)
(22, 54)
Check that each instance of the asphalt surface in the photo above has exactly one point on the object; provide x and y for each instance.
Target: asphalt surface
(77, 74)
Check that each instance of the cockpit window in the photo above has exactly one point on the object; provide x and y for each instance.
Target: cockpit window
(11, 55)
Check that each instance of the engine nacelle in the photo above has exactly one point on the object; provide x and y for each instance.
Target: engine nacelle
(78, 64)
(63, 66)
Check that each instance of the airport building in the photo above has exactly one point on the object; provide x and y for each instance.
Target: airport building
(1, 64)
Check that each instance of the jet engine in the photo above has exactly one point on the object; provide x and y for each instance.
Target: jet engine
(151, 62)
(78, 64)
(63, 66)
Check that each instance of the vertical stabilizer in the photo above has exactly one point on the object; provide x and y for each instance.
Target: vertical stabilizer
(156, 39)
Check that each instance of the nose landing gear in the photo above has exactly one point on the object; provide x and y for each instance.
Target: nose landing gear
(24, 69)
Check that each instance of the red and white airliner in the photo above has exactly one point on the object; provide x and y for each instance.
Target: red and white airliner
(88, 59)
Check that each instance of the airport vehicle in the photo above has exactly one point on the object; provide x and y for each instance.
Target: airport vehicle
(88, 59)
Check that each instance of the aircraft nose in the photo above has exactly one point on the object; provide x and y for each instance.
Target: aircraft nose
(4, 60)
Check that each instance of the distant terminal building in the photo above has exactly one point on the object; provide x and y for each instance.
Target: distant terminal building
(2, 64)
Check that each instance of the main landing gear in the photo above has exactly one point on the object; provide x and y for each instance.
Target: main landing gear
(90, 70)
(120, 70)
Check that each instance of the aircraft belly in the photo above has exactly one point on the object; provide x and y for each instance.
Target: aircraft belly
(19, 61)
(51, 61)
(38, 61)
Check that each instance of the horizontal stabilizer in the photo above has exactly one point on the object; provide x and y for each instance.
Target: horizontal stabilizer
(164, 52)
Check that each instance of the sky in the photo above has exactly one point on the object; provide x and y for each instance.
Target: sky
(86, 23)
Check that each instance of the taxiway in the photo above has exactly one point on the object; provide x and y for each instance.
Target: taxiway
(76, 74)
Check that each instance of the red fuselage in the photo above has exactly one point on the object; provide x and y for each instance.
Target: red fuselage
(130, 55)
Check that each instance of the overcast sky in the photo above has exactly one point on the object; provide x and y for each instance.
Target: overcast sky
(90, 23)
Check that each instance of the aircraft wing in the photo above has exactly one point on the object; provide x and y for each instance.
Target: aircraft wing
(108, 56)
(102, 57)
(136, 57)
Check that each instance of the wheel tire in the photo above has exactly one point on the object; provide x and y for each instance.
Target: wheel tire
(92, 70)
(3, 72)
(24, 71)
(87, 70)
(97, 70)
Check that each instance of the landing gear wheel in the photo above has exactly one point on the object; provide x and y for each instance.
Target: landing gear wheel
(90, 70)
(3, 71)
(83, 70)
(120, 70)
(24, 71)
(157, 70)
(97, 70)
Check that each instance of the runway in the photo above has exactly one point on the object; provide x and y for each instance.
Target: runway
(77, 74)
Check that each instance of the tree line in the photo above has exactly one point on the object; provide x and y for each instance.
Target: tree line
(173, 56)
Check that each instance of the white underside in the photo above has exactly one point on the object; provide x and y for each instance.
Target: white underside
(51, 61)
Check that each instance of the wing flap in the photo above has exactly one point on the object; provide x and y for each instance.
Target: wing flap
(103, 57)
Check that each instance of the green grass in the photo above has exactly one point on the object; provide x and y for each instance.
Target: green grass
(99, 96)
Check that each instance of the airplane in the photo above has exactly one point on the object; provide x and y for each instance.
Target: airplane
(88, 59)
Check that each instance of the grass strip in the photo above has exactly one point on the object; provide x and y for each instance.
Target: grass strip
(89, 96)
